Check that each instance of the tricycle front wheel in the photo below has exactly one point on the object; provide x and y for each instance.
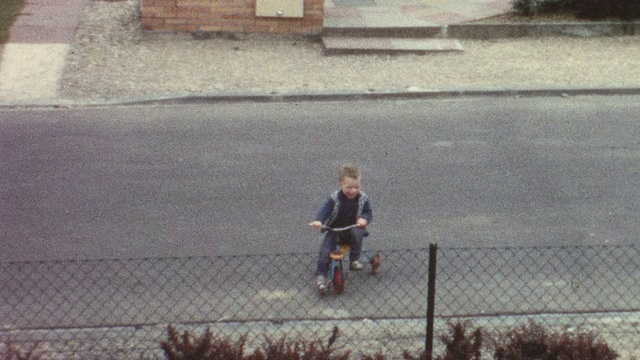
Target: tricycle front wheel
(338, 281)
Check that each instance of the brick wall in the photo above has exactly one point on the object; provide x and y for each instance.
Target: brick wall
(226, 16)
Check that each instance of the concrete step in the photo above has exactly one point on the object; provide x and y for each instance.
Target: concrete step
(396, 31)
(338, 45)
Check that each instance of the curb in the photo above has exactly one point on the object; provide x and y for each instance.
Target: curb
(405, 94)
(273, 97)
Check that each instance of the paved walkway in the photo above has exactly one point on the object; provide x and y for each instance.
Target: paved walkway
(409, 13)
(34, 58)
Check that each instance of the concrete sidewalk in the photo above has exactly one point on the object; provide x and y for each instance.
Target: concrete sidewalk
(373, 14)
(34, 57)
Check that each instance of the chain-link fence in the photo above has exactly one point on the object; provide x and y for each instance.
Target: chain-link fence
(87, 309)
(567, 289)
(120, 309)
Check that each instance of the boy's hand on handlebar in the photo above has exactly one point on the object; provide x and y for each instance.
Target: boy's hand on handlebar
(316, 225)
(362, 222)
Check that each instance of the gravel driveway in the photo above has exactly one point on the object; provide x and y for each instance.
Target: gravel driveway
(113, 58)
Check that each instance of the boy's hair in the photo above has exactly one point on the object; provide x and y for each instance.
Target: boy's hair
(350, 171)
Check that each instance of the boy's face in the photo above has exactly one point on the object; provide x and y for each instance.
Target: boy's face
(350, 187)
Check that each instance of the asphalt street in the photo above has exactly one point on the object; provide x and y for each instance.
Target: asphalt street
(246, 178)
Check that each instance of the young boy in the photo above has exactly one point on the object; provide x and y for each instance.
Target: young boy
(346, 206)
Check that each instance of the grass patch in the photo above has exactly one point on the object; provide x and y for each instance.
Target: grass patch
(9, 10)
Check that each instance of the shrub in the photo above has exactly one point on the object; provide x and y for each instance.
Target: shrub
(205, 347)
(531, 341)
(208, 347)
(13, 353)
(591, 9)
(527, 341)
(300, 350)
(599, 9)
(580, 347)
(458, 346)
(533, 7)
(534, 341)
(374, 357)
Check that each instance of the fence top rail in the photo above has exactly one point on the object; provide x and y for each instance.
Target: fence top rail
(539, 247)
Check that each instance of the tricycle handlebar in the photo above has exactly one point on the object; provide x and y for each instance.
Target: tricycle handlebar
(324, 227)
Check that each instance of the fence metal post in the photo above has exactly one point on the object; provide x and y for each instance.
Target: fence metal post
(431, 299)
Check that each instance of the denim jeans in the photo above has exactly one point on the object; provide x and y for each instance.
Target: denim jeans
(329, 242)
